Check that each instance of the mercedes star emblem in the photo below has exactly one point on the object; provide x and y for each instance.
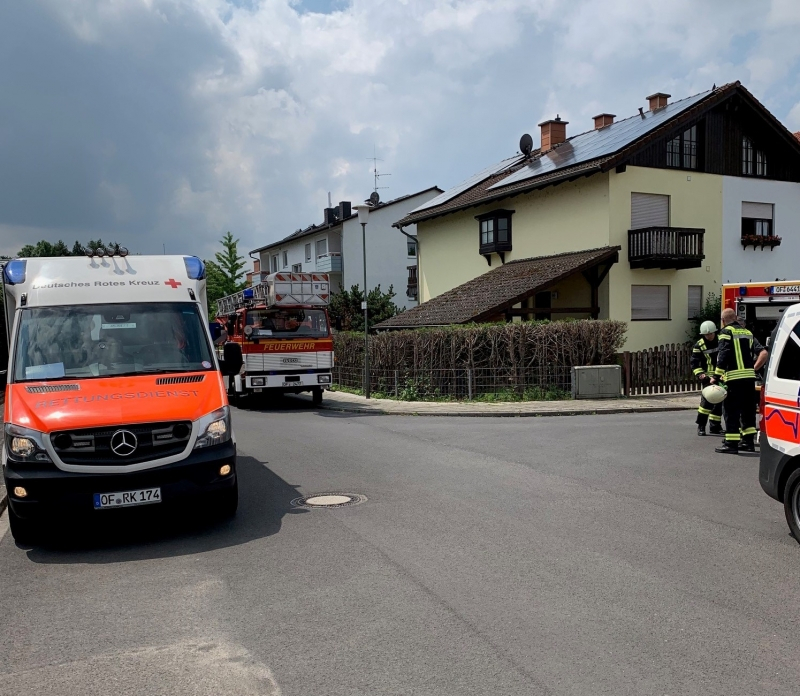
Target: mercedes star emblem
(123, 443)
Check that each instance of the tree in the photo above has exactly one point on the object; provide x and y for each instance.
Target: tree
(225, 275)
(230, 264)
(710, 312)
(45, 248)
(346, 313)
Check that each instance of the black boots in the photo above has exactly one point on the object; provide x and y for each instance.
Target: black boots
(715, 429)
(728, 448)
(701, 430)
(747, 445)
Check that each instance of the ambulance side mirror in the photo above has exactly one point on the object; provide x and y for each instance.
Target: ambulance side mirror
(232, 360)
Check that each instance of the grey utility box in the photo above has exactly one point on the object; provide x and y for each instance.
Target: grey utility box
(597, 382)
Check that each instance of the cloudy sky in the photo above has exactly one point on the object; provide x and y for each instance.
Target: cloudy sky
(157, 122)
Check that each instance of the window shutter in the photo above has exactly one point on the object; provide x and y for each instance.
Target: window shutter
(649, 210)
(760, 211)
(322, 247)
(695, 301)
(649, 302)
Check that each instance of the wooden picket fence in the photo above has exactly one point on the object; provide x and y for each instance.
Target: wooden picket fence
(659, 370)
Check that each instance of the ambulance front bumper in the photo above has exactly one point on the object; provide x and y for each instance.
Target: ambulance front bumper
(51, 491)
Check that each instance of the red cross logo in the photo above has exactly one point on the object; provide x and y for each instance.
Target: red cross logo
(172, 283)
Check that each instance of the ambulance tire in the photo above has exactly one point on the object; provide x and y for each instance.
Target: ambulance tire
(227, 502)
(25, 532)
(791, 504)
(316, 396)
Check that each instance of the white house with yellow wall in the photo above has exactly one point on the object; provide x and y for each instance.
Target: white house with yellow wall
(676, 189)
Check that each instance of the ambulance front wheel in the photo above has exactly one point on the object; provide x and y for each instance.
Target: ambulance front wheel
(791, 504)
(316, 396)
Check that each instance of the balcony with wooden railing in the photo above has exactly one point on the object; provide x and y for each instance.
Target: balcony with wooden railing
(666, 247)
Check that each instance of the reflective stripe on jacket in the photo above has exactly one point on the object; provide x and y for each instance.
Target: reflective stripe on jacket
(704, 356)
(738, 350)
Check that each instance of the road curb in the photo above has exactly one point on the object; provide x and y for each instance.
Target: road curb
(505, 414)
(3, 499)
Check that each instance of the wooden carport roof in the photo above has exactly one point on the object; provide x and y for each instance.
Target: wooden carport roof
(497, 291)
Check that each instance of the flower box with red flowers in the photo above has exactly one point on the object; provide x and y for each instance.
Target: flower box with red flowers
(759, 240)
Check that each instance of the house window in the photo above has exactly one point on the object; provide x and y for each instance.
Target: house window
(308, 253)
(411, 289)
(754, 162)
(275, 263)
(322, 247)
(649, 210)
(285, 259)
(649, 302)
(297, 268)
(695, 301)
(494, 231)
(682, 150)
(411, 246)
(757, 219)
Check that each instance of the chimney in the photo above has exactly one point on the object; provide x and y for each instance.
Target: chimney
(603, 120)
(329, 216)
(554, 132)
(658, 100)
(256, 266)
(344, 210)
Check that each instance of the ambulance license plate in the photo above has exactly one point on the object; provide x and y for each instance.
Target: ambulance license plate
(145, 496)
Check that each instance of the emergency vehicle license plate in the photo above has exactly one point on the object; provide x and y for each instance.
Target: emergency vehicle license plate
(145, 496)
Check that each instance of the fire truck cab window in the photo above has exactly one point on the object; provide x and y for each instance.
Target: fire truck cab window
(288, 323)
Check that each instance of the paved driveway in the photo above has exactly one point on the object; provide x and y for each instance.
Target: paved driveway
(584, 555)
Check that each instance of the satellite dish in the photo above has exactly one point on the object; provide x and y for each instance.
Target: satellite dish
(526, 145)
(374, 198)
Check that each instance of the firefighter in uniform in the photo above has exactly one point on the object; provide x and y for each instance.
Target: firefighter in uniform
(740, 355)
(704, 363)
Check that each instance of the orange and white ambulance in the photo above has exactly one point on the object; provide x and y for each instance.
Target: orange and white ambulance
(114, 396)
(283, 333)
(779, 472)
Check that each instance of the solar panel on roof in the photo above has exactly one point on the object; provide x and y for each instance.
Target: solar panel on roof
(469, 183)
(599, 143)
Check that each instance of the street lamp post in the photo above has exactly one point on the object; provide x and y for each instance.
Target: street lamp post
(363, 214)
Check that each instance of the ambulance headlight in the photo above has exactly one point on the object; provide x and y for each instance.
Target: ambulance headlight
(214, 428)
(24, 444)
(195, 268)
(14, 272)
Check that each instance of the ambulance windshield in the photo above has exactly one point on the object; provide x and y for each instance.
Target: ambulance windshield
(85, 341)
(286, 323)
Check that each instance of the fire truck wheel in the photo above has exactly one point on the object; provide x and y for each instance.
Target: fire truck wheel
(316, 396)
(791, 504)
(25, 532)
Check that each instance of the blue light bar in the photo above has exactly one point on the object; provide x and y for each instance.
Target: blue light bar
(248, 293)
(195, 268)
(14, 272)
(742, 290)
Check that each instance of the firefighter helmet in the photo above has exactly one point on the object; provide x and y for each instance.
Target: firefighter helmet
(708, 327)
(715, 394)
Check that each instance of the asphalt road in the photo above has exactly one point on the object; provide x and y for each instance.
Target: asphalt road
(583, 555)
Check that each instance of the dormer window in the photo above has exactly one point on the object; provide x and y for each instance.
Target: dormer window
(494, 233)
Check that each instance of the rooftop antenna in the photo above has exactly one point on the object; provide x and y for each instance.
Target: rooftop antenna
(526, 145)
(376, 174)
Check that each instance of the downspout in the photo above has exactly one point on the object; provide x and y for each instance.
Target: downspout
(419, 263)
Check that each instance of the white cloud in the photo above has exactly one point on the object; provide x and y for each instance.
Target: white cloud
(154, 120)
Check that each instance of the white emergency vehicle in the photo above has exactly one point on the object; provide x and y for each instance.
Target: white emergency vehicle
(114, 394)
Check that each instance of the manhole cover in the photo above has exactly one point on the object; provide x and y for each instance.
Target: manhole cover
(328, 500)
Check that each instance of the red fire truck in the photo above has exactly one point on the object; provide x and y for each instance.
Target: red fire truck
(760, 306)
(281, 326)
